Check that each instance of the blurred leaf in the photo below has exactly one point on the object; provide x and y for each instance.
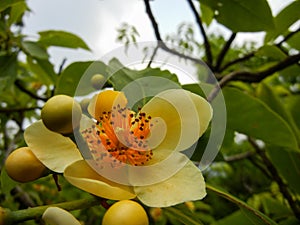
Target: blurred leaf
(7, 184)
(42, 69)
(274, 207)
(255, 216)
(294, 40)
(140, 83)
(8, 66)
(76, 78)
(16, 12)
(207, 14)
(61, 39)
(35, 50)
(182, 214)
(292, 103)
(288, 16)
(266, 94)
(242, 15)
(270, 51)
(256, 119)
(288, 164)
(234, 219)
(7, 3)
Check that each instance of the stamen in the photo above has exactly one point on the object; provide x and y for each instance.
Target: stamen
(131, 147)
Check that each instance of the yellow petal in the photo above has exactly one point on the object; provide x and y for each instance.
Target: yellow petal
(186, 185)
(105, 101)
(185, 114)
(54, 150)
(58, 216)
(81, 175)
(163, 165)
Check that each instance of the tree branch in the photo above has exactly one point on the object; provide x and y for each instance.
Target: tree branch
(276, 177)
(203, 33)
(287, 37)
(161, 43)
(224, 51)
(253, 77)
(32, 95)
(7, 110)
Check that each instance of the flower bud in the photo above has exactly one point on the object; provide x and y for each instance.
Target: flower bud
(58, 216)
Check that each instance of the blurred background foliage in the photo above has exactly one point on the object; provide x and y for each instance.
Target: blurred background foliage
(255, 177)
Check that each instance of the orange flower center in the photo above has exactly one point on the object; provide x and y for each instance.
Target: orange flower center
(119, 136)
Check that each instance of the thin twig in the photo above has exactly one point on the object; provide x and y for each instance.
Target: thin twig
(203, 33)
(240, 156)
(32, 95)
(287, 37)
(161, 43)
(276, 177)
(152, 56)
(224, 51)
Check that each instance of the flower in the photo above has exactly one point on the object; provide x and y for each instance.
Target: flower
(131, 154)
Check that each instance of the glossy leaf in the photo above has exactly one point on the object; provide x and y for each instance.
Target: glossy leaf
(61, 39)
(254, 215)
(35, 50)
(8, 3)
(292, 103)
(288, 164)
(77, 78)
(266, 94)
(294, 41)
(8, 66)
(288, 16)
(242, 15)
(250, 116)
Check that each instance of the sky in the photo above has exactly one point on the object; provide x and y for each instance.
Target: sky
(96, 22)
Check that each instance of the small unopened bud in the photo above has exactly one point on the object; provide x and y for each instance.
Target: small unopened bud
(58, 216)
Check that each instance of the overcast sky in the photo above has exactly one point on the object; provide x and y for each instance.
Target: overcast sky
(96, 22)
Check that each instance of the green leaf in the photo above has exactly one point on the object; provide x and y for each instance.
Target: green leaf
(182, 214)
(8, 66)
(292, 103)
(294, 41)
(242, 15)
(266, 94)
(35, 50)
(288, 164)
(7, 184)
(270, 51)
(252, 214)
(288, 16)
(207, 14)
(4, 4)
(234, 219)
(61, 39)
(140, 83)
(76, 78)
(16, 12)
(42, 69)
(250, 116)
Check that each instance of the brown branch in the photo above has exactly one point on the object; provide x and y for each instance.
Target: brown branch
(224, 51)
(152, 56)
(287, 37)
(276, 177)
(252, 77)
(240, 156)
(161, 43)
(203, 33)
(32, 95)
(7, 110)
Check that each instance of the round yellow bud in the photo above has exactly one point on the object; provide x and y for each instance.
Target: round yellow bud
(125, 212)
(61, 114)
(98, 81)
(23, 166)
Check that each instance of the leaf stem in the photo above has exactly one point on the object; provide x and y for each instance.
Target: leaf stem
(14, 217)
